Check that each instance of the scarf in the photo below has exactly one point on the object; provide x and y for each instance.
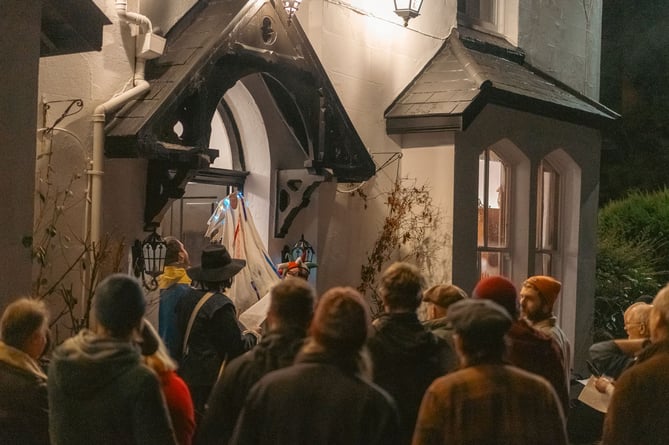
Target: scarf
(173, 275)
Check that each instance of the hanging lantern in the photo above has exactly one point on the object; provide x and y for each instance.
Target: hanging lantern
(408, 9)
(291, 7)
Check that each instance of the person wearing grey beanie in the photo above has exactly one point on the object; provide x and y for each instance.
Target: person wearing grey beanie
(99, 390)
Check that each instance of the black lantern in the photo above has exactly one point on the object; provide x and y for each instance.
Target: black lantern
(302, 249)
(149, 259)
(408, 9)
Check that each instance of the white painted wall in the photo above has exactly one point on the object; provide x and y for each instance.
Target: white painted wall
(370, 61)
(429, 160)
(562, 38)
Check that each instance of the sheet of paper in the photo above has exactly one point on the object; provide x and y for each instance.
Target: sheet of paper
(592, 397)
(254, 316)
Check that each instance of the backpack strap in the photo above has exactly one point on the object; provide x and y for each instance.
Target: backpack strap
(191, 320)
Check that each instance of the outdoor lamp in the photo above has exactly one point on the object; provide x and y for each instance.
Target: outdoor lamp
(291, 7)
(149, 259)
(408, 9)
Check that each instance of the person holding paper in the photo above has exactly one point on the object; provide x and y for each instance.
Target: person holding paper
(637, 413)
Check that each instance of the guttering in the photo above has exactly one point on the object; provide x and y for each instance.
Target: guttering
(140, 86)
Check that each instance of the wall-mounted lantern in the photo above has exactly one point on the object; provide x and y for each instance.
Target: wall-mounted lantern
(291, 7)
(408, 9)
(303, 250)
(149, 259)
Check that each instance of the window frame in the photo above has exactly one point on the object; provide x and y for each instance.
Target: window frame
(552, 249)
(483, 245)
(473, 19)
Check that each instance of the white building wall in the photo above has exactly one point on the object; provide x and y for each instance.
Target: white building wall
(370, 57)
(562, 38)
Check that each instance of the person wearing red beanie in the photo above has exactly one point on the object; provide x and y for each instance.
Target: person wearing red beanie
(529, 349)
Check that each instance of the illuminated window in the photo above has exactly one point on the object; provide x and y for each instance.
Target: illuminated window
(494, 252)
(548, 218)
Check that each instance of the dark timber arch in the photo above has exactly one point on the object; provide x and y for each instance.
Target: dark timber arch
(216, 44)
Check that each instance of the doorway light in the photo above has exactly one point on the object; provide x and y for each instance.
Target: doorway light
(408, 9)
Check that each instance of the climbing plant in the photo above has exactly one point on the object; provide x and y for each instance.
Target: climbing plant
(412, 231)
(66, 265)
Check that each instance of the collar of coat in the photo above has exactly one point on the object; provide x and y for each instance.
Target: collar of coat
(19, 359)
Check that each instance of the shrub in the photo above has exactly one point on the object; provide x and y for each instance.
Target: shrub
(632, 256)
(641, 218)
(624, 273)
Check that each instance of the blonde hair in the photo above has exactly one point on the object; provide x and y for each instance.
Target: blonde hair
(160, 361)
(21, 319)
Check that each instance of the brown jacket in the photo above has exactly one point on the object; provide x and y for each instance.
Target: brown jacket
(638, 410)
(490, 404)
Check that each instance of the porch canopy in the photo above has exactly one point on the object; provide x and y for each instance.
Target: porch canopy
(473, 69)
(213, 46)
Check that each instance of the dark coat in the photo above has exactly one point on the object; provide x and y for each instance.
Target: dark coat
(24, 415)
(638, 410)
(276, 350)
(319, 400)
(536, 352)
(100, 393)
(407, 358)
(214, 337)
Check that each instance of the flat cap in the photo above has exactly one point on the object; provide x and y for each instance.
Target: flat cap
(444, 295)
(479, 317)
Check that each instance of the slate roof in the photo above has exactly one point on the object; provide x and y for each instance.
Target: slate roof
(473, 69)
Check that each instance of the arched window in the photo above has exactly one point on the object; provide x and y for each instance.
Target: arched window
(548, 218)
(494, 247)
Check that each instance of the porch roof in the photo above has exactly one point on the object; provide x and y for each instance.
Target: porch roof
(473, 69)
(215, 44)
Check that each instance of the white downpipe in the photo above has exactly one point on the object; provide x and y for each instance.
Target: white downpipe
(140, 87)
(131, 17)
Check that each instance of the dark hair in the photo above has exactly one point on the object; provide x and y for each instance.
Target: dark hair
(292, 301)
(217, 286)
(119, 304)
(21, 319)
(341, 321)
(401, 286)
(481, 348)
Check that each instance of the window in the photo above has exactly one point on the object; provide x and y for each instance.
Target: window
(494, 252)
(480, 12)
(548, 218)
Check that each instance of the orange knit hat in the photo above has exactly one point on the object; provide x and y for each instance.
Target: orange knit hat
(548, 287)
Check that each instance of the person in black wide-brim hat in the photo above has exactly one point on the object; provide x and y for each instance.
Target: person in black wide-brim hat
(207, 320)
(216, 266)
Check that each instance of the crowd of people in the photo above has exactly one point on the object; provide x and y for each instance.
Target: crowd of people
(490, 367)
